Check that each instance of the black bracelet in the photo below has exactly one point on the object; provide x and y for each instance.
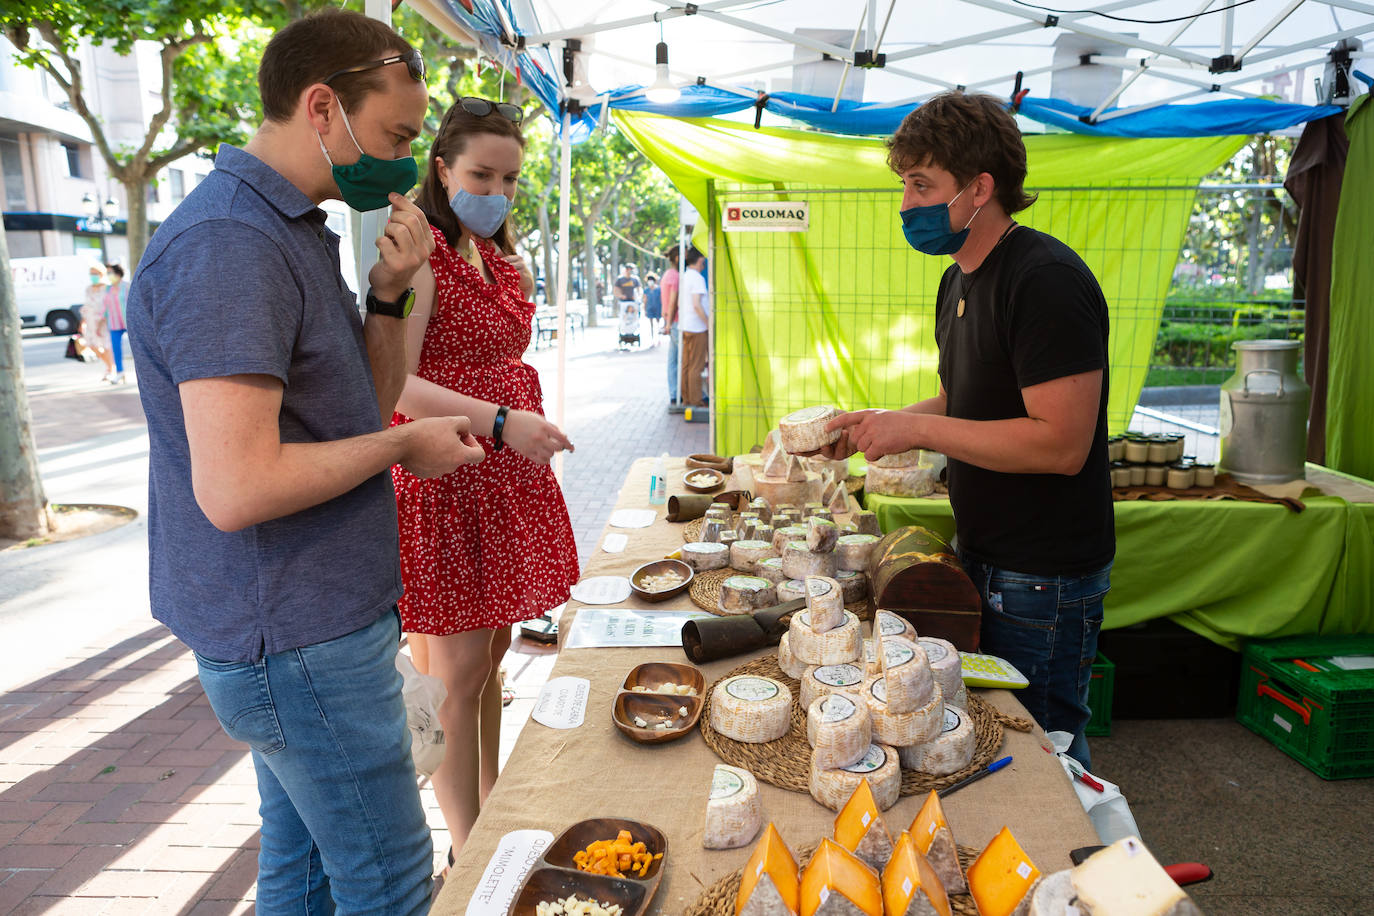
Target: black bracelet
(497, 427)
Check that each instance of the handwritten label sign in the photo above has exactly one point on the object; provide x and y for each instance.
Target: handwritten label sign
(562, 702)
(515, 855)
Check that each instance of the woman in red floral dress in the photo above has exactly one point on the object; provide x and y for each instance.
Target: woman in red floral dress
(490, 544)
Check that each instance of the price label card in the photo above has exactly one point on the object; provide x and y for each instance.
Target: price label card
(633, 518)
(618, 626)
(515, 855)
(614, 543)
(562, 702)
(602, 590)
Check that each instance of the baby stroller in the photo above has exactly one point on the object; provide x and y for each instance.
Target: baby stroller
(629, 324)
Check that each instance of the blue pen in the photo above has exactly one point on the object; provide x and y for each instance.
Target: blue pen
(986, 771)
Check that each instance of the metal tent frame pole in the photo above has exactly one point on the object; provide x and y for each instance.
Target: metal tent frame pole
(564, 276)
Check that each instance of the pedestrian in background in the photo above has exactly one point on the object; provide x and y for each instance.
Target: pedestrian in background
(112, 319)
(668, 288)
(94, 333)
(696, 323)
(653, 302)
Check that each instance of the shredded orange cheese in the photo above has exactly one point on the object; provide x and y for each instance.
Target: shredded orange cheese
(616, 857)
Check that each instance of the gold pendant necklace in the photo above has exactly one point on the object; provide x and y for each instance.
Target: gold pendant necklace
(968, 286)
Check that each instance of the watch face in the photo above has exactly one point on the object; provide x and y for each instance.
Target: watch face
(407, 302)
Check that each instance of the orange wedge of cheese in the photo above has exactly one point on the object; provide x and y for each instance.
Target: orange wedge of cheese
(859, 828)
(1002, 877)
(769, 886)
(910, 885)
(835, 883)
(933, 838)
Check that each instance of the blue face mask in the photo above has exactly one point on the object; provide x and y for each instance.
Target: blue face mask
(365, 184)
(480, 214)
(928, 230)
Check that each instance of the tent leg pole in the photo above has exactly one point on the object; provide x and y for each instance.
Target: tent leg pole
(564, 271)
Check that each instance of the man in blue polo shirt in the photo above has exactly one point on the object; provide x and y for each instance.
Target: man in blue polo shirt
(272, 522)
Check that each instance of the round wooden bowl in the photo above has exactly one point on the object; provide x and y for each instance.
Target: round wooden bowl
(657, 567)
(717, 480)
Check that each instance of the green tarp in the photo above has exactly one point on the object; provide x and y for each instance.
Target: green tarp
(1350, 373)
(843, 313)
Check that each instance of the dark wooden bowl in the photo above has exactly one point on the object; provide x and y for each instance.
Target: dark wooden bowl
(717, 480)
(655, 568)
(717, 462)
(582, 834)
(545, 883)
(652, 675)
(652, 707)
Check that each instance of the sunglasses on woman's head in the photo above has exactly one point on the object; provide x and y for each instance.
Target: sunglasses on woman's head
(415, 66)
(482, 107)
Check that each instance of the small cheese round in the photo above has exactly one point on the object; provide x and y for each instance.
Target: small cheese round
(734, 814)
(900, 459)
(787, 661)
(839, 728)
(825, 601)
(799, 562)
(909, 481)
(804, 430)
(908, 683)
(762, 532)
(867, 522)
(823, 680)
(745, 524)
(879, 766)
(872, 665)
(791, 589)
(785, 534)
(949, 752)
(746, 594)
(728, 537)
(890, 624)
(832, 647)
(821, 534)
(713, 528)
(811, 508)
(855, 551)
(770, 568)
(745, 555)
(751, 709)
(901, 729)
(704, 555)
(853, 584)
(760, 505)
(947, 667)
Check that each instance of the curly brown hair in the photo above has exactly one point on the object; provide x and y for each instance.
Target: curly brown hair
(965, 134)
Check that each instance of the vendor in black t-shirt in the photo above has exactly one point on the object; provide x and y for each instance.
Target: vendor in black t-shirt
(1021, 326)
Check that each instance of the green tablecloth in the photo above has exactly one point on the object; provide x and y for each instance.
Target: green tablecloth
(1222, 568)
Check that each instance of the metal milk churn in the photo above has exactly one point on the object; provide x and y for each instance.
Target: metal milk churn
(1264, 413)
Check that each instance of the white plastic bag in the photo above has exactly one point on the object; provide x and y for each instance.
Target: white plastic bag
(1111, 816)
(422, 694)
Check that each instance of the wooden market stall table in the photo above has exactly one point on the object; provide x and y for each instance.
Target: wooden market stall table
(557, 777)
(1227, 569)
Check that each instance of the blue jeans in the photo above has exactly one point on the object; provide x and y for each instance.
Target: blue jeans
(1047, 627)
(117, 345)
(342, 826)
(674, 345)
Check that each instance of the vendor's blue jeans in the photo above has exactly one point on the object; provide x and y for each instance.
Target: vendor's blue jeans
(342, 826)
(674, 345)
(1047, 627)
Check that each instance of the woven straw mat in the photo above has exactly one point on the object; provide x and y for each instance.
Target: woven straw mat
(786, 762)
(719, 898)
(706, 587)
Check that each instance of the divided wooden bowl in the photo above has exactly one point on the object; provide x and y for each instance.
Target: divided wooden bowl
(556, 875)
(651, 706)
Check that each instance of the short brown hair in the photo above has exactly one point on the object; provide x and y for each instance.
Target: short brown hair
(966, 135)
(310, 49)
(458, 126)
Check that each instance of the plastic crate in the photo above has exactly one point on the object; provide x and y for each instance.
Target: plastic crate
(1100, 697)
(1316, 711)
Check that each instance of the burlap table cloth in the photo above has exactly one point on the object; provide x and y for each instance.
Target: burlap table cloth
(554, 778)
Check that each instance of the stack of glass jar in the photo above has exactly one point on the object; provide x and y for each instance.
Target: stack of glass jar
(1155, 460)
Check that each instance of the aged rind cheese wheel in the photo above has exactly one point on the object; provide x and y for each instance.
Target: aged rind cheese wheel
(782, 536)
(799, 562)
(1054, 895)
(890, 624)
(901, 729)
(867, 522)
(833, 647)
(899, 460)
(853, 584)
(811, 508)
(788, 662)
(825, 601)
(746, 594)
(823, 512)
(910, 482)
(745, 555)
(855, 551)
(947, 667)
(821, 534)
(770, 568)
(879, 766)
(804, 430)
(734, 814)
(705, 555)
(762, 532)
(822, 680)
(839, 730)
(872, 665)
(751, 708)
(908, 683)
(791, 589)
(781, 490)
(950, 752)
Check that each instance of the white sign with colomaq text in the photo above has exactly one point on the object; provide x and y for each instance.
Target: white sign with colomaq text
(515, 855)
(562, 702)
(765, 216)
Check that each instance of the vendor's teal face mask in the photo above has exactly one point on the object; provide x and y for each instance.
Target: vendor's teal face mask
(366, 184)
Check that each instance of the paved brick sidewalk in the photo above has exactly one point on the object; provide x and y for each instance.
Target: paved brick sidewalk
(118, 791)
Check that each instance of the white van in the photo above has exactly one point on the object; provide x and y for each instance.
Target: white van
(49, 291)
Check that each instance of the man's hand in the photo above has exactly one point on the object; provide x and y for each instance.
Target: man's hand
(533, 436)
(405, 244)
(526, 278)
(874, 432)
(437, 445)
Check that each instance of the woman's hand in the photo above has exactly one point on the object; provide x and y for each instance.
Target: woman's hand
(533, 436)
(526, 278)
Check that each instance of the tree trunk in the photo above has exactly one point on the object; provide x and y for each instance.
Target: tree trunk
(23, 507)
(137, 224)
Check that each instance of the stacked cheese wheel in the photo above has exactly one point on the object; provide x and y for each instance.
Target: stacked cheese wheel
(900, 475)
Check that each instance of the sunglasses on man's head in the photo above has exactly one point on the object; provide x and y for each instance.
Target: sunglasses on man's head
(482, 107)
(415, 66)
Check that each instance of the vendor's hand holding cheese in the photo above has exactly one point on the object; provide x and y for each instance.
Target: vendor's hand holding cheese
(1021, 326)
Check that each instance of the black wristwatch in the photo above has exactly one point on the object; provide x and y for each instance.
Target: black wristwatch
(398, 309)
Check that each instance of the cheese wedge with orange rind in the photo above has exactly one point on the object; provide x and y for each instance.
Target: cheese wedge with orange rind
(859, 828)
(1002, 879)
(934, 840)
(836, 883)
(770, 885)
(910, 885)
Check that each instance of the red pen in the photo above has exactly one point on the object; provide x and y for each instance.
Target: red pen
(1082, 776)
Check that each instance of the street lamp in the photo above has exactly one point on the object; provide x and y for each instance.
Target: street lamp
(99, 217)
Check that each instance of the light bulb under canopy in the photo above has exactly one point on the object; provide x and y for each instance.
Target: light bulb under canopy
(662, 91)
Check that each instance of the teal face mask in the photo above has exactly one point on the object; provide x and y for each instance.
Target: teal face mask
(366, 183)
